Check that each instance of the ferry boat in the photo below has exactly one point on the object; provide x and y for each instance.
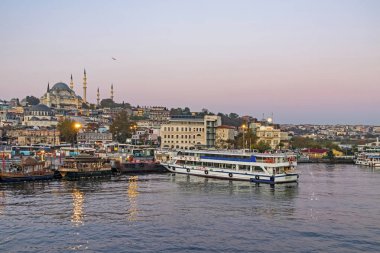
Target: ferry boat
(84, 165)
(368, 159)
(29, 169)
(236, 165)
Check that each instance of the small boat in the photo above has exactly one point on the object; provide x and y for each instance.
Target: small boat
(84, 165)
(236, 165)
(29, 169)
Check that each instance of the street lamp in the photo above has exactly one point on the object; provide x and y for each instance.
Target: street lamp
(243, 127)
(77, 127)
(133, 129)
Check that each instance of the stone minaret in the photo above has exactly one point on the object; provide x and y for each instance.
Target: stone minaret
(71, 82)
(48, 102)
(98, 97)
(112, 92)
(84, 87)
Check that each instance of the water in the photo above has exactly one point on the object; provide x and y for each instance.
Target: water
(334, 208)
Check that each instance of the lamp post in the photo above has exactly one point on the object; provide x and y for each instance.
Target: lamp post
(77, 127)
(133, 129)
(243, 127)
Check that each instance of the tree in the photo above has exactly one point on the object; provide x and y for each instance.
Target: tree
(67, 131)
(262, 146)
(249, 137)
(233, 115)
(109, 103)
(31, 100)
(121, 127)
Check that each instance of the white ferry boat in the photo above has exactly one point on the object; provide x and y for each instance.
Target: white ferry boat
(236, 165)
(368, 159)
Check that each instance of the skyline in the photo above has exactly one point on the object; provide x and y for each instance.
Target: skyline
(315, 62)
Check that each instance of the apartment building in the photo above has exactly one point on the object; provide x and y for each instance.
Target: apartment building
(189, 132)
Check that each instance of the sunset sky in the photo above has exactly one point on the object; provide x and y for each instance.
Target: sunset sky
(305, 61)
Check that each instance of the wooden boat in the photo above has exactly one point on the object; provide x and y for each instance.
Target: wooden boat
(28, 170)
(84, 165)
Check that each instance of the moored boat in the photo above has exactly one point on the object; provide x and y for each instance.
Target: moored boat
(29, 169)
(236, 165)
(84, 165)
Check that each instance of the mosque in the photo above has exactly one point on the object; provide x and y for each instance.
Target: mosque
(61, 96)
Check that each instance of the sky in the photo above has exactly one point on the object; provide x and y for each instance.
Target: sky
(305, 61)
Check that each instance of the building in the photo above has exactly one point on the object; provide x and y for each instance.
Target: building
(159, 113)
(269, 135)
(40, 116)
(224, 136)
(94, 138)
(314, 153)
(190, 132)
(34, 136)
(61, 96)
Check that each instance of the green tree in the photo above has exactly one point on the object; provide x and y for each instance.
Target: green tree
(262, 146)
(31, 100)
(121, 127)
(67, 131)
(249, 138)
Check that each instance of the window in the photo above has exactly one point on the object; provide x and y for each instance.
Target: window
(244, 167)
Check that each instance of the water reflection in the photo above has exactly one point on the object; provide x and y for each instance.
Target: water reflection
(190, 183)
(2, 202)
(78, 214)
(132, 197)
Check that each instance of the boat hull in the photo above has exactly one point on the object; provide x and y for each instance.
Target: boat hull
(12, 179)
(235, 175)
(84, 174)
(141, 167)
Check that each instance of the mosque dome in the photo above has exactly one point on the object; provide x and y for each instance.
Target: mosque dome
(60, 86)
(40, 108)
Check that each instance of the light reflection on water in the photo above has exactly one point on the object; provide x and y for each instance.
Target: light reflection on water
(78, 213)
(333, 208)
(132, 197)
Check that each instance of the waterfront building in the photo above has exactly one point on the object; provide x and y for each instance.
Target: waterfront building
(189, 132)
(224, 135)
(269, 135)
(40, 116)
(314, 153)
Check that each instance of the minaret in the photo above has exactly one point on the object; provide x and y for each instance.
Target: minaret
(84, 87)
(48, 102)
(112, 92)
(98, 97)
(71, 83)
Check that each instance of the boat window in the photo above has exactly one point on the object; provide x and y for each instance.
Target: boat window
(228, 166)
(244, 167)
(257, 169)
